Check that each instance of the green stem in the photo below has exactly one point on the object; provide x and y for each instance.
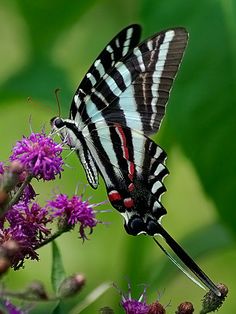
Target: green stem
(51, 238)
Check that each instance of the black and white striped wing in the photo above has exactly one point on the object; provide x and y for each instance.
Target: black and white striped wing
(133, 92)
(120, 101)
(135, 89)
(115, 50)
(132, 166)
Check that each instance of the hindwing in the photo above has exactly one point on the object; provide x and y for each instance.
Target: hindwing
(133, 167)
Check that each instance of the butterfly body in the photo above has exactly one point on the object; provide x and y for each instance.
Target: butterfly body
(118, 104)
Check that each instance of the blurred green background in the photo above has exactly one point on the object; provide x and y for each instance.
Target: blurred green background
(45, 45)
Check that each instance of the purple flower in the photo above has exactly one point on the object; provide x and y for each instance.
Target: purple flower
(28, 193)
(74, 210)
(26, 226)
(24, 244)
(32, 219)
(39, 155)
(133, 306)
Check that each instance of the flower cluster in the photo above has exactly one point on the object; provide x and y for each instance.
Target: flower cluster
(23, 222)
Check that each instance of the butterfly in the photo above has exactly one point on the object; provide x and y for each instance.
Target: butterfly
(120, 102)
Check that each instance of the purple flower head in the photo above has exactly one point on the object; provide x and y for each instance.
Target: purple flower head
(39, 155)
(74, 210)
(133, 306)
(24, 243)
(27, 227)
(32, 219)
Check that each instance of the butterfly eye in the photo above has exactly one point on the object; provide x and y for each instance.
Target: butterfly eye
(58, 122)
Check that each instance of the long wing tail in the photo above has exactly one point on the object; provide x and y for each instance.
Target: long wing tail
(187, 261)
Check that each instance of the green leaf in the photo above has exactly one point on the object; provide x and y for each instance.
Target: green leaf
(58, 272)
(57, 309)
(55, 21)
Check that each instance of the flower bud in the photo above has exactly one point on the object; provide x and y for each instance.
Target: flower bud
(156, 308)
(16, 167)
(7, 251)
(11, 176)
(185, 308)
(9, 248)
(71, 285)
(211, 302)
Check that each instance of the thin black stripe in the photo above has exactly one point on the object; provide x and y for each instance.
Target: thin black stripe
(102, 154)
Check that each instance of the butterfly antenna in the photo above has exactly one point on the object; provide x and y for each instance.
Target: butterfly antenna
(187, 260)
(30, 123)
(57, 90)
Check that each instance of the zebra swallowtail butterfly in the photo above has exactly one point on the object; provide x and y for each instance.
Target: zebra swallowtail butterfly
(118, 104)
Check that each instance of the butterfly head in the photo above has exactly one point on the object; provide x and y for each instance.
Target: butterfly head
(57, 123)
(66, 129)
(58, 126)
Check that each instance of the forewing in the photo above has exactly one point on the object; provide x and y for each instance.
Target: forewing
(153, 66)
(134, 92)
(114, 51)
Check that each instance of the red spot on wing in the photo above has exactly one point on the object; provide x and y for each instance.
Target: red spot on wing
(114, 196)
(131, 170)
(128, 202)
(123, 140)
(125, 151)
